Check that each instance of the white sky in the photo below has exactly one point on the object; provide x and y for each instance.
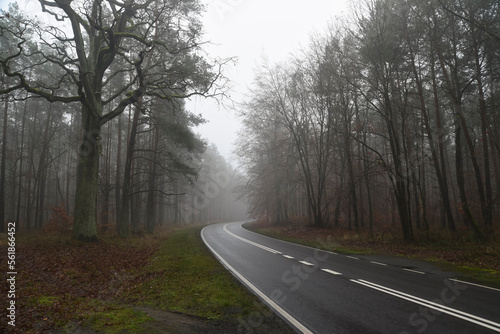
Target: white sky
(248, 30)
(251, 30)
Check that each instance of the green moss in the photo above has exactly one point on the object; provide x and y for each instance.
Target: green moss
(46, 300)
(188, 279)
(118, 320)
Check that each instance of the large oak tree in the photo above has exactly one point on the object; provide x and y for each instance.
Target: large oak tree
(152, 46)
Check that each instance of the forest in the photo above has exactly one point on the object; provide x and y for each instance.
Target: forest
(95, 133)
(388, 119)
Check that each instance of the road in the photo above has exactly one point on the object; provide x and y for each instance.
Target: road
(324, 292)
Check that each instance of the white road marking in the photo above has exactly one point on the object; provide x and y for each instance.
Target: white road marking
(353, 257)
(289, 242)
(479, 285)
(307, 263)
(251, 242)
(331, 272)
(288, 257)
(414, 271)
(441, 308)
(259, 293)
(379, 263)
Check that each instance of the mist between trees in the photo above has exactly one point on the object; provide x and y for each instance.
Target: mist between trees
(391, 117)
(95, 129)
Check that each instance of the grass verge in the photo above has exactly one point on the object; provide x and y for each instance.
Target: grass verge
(184, 277)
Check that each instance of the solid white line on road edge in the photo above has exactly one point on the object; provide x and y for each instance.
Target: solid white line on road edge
(331, 272)
(414, 271)
(251, 242)
(380, 264)
(289, 257)
(259, 293)
(353, 257)
(479, 285)
(307, 263)
(441, 308)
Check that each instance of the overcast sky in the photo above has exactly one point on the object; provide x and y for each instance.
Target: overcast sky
(251, 30)
(248, 30)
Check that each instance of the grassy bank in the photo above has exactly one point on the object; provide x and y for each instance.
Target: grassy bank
(169, 283)
(183, 277)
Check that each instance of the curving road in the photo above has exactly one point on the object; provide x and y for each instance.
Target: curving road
(323, 292)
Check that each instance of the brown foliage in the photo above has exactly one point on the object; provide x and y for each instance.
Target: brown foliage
(60, 221)
(70, 275)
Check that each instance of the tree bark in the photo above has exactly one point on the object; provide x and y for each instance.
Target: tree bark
(2, 170)
(123, 223)
(85, 223)
(151, 208)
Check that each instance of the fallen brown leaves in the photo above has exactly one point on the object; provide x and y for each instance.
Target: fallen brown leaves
(59, 277)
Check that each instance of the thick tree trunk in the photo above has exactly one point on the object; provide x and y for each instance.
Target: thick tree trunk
(85, 224)
(2, 171)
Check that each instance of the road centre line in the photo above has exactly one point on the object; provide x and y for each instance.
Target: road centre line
(415, 271)
(307, 263)
(441, 308)
(288, 257)
(380, 264)
(353, 257)
(251, 242)
(259, 293)
(331, 272)
(479, 285)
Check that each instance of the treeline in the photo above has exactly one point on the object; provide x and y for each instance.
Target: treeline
(391, 117)
(152, 167)
(175, 177)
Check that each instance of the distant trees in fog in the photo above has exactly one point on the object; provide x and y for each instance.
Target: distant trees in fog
(391, 118)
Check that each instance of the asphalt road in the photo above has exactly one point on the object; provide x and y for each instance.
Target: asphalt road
(324, 292)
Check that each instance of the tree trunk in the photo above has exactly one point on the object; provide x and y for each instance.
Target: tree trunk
(85, 223)
(459, 162)
(106, 186)
(352, 184)
(123, 223)
(2, 171)
(441, 164)
(488, 205)
(21, 160)
(151, 209)
(118, 170)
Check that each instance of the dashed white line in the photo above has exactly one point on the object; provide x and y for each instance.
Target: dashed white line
(288, 257)
(307, 263)
(379, 263)
(331, 272)
(353, 257)
(414, 271)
